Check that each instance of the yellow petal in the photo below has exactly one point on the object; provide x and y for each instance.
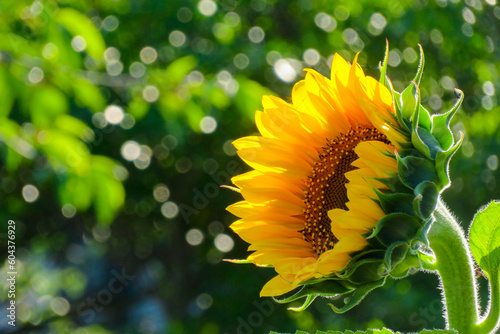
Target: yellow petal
(276, 287)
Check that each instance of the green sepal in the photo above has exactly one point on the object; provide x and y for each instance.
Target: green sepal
(410, 153)
(371, 254)
(424, 118)
(443, 160)
(329, 288)
(441, 124)
(413, 170)
(383, 67)
(409, 265)
(307, 302)
(416, 139)
(421, 238)
(392, 203)
(425, 138)
(395, 254)
(397, 99)
(421, 65)
(426, 197)
(238, 261)
(410, 99)
(358, 296)
(394, 184)
(396, 227)
(364, 271)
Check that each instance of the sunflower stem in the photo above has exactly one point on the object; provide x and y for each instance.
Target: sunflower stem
(455, 268)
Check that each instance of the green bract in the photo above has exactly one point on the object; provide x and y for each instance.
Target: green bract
(398, 245)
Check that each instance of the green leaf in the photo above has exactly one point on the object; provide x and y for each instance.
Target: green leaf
(249, 96)
(138, 107)
(74, 126)
(176, 71)
(87, 95)
(76, 191)
(66, 151)
(377, 331)
(438, 331)
(45, 105)
(79, 25)
(108, 191)
(484, 239)
(7, 94)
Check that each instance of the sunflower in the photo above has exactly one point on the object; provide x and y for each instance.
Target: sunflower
(318, 165)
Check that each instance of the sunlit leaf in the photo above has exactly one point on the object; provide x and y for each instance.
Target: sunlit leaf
(80, 25)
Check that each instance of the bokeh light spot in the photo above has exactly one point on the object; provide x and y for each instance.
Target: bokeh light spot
(204, 301)
(114, 114)
(130, 150)
(241, 61)
(177, 38)
(488, 88)
(409, 55)
(110, 23)
(256, 34)
(325, 22)
(169, 210)
(36, 75)
(50, 51)
(150, 93)
(194, 237)
(492, 162)
(60, 306)
(68, 210)
(30, 193)
(184, 14)
(311, 57)
(161, 193)
(78, 43)
(148, 55)
(112, 55)
(224, 243)
(208, 124)
(285, 71)
(207, 7)
(137, 69)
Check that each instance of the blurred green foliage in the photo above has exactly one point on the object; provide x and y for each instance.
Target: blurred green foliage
(116, 122)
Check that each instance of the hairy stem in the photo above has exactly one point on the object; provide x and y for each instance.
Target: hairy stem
(490, 322)
(455, 268)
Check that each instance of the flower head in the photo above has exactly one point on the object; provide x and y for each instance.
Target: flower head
(331, 197)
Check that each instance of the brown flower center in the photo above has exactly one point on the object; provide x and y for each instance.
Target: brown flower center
(326, 187)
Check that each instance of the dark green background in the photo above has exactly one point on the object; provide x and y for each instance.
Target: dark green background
(96, 214)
